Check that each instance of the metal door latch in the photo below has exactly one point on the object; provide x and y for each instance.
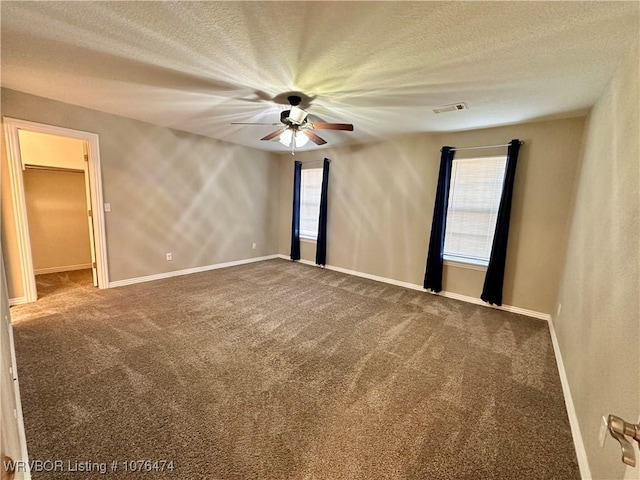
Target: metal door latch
(620, 430)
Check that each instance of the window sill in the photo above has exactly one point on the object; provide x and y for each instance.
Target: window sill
(467, 265)
(308, 239)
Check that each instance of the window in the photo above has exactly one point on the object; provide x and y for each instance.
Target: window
(310, 189)
(474, 198)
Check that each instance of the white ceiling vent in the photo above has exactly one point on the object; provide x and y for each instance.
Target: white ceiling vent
(454, 107)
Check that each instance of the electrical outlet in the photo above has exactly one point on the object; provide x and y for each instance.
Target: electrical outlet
(107, 207)
(169, 256)
(253, 246)
(604, 427)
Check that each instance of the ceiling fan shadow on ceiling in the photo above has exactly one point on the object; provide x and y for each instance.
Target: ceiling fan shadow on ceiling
(297, 129)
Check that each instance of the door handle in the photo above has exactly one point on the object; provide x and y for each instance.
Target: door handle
(620, 430)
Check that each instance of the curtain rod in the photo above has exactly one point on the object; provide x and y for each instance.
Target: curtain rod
(311, 161)
(483, 146)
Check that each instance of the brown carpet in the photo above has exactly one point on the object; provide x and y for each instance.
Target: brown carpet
(61, 284)
(276, 370)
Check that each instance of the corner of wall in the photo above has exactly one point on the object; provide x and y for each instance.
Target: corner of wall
(601, 276)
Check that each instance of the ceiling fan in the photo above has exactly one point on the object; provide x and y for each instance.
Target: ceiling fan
(296, 130)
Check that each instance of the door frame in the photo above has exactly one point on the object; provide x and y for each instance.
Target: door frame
(11, 128)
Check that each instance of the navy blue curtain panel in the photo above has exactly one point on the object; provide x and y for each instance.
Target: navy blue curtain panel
(433, 273)
(321, 244)
(494, 279)
(295, 217)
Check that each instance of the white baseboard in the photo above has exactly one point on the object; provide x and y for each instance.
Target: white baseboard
(414, 286)
(187, 271)
(506, 308)
(17, 301)
(22, 434)
(581, 453)
(68, 268)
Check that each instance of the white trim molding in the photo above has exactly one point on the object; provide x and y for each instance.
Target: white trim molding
(187, 271)
(578, 444)
(68, 268)
(17, 301)
(18, 411)
(465, 265)
(506, 308)
(11, 128)
(414, 286)
(20, 211)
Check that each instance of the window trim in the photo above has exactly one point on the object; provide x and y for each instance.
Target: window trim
(464, 263)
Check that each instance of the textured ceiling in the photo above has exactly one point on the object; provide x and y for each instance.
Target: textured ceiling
(383, 66)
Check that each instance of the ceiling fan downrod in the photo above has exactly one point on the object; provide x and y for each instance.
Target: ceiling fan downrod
(294, 100)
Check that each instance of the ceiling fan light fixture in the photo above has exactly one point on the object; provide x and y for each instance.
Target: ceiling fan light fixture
(297, 115)
(285, 137)
(294, 125)
(301, 139)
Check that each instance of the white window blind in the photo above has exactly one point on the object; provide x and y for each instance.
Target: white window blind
(474, 199)
(310, 189)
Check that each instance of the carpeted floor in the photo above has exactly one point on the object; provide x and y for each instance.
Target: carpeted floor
(62, 283)
(277, 370)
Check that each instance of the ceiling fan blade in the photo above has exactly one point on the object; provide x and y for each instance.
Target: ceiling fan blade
(332, 126)
(273, 135)
(254, 123)
(314, 138)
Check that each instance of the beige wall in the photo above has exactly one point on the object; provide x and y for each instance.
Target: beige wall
(203, 200)
(599, 324)
(57, 214)
(540, 212)
(376, 196)
(381, 200)
(51, 150)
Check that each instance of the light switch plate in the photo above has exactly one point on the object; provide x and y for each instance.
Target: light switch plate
(604, 427)
(107, 207)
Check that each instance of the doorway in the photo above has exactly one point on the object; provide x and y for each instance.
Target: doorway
(57, 196)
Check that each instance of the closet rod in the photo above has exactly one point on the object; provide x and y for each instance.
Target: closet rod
(52, 169)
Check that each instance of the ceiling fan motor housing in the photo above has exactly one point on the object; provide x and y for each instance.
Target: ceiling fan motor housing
(294, 100)
(296, 123)
(295, 116)
(285, 117)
